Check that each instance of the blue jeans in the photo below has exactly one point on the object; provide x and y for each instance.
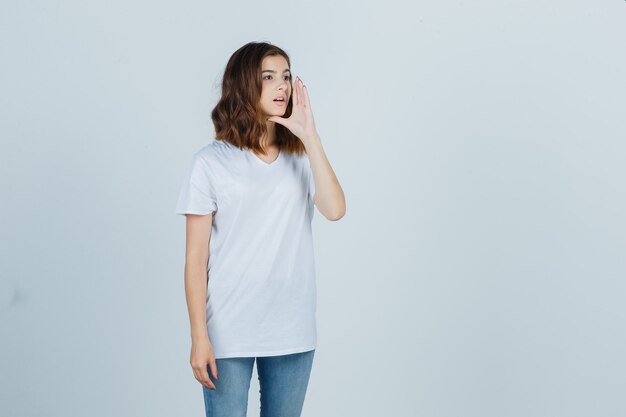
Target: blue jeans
(283, 381)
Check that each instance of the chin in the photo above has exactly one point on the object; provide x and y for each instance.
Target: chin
(275, 112)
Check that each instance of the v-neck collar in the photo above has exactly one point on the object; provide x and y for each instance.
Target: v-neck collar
(251, 155)
(262, 162)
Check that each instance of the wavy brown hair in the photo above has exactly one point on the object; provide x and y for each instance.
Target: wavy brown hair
(237, 117)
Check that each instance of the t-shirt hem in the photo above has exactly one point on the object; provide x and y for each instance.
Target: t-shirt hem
(264, 353)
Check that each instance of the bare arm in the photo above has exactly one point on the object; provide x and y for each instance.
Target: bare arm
(198, 235)
(329, 197)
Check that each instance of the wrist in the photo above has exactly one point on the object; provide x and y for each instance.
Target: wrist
(312, 140)
(200, 336)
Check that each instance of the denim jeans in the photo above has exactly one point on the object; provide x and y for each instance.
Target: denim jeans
(283, 381)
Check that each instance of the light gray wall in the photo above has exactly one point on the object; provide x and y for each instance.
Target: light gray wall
(479, 270)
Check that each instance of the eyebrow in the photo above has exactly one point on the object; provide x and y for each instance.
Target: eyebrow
(274, 72)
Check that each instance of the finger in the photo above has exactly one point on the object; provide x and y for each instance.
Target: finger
(204, 378)
(213, 367)
(296, 92)
(197, 374)
(305, 93)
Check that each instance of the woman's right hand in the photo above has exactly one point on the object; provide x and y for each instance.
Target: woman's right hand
(201, 356)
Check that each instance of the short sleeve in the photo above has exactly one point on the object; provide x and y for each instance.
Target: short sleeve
(197, 192)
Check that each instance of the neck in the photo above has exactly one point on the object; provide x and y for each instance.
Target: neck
(270, 137)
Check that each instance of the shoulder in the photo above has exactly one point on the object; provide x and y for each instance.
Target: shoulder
(215, 152)
(211, 150)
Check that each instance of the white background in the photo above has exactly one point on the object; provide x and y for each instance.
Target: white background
(479, 269)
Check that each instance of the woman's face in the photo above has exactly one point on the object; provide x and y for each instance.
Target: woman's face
(276, 82)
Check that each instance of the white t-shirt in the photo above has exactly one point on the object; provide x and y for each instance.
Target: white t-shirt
(261, 298)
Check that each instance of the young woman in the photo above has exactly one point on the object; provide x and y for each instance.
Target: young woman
(249, 199)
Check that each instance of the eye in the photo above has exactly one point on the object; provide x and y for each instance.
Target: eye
(286, 77)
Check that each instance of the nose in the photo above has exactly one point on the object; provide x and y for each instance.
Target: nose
(283, 84)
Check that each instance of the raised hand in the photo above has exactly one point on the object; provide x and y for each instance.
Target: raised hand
(301, 122)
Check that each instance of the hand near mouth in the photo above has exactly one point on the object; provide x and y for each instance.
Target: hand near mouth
(301, 122)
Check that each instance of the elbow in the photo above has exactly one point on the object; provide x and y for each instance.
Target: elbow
(332, 210)
(335, 218)
(337, 214)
